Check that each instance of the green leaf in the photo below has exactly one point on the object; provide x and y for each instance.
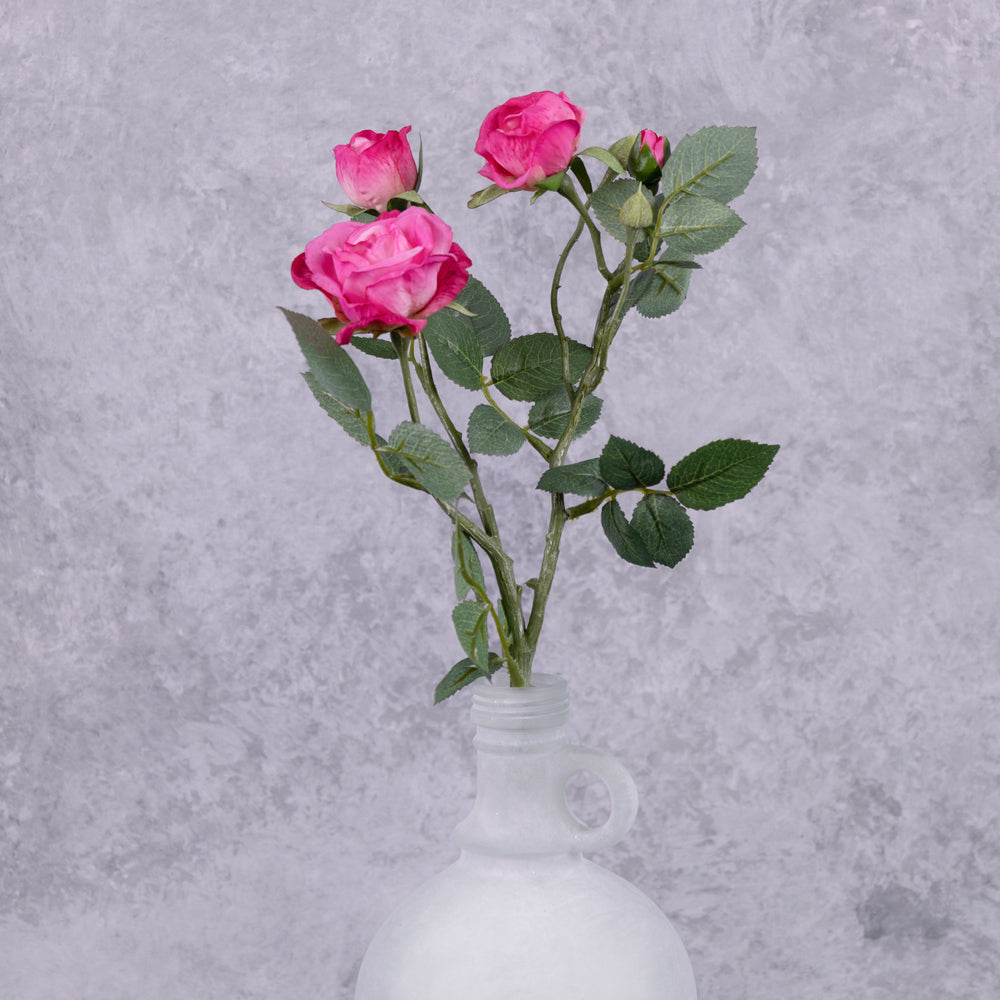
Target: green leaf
(626, 540)
(528, 367)
(626, 466)
(468, 568)
(621, 148)
(487, 194)
(470, 618)
(490, 433)
(579, 478)
(664, 527)
(489, 322)
(376, 348)
(607, 202)
(434, 463)
(463, 673)
(720, 472)
(716, 162)
(349, 418)
(548, 417)
(334, 369)
(392, 461)
(660, 290)
(606, 157)
(698, 225)
(455, 348)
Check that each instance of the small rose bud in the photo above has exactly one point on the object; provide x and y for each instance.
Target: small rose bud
(636, 213)
(657, 144)
(648, 154)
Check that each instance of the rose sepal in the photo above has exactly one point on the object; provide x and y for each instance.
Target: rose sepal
(404, 199)
(487, 194)
(354, 211)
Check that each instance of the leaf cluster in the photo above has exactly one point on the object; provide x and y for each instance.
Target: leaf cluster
(660, 530)
(678, 212)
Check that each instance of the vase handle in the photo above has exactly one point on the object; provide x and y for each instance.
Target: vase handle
(622, 793)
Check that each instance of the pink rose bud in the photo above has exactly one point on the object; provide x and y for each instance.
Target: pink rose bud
(374, 167)
(390, 274)
(528, 139)
(655, 143)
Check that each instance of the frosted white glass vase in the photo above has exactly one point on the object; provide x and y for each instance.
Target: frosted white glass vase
(521, 915)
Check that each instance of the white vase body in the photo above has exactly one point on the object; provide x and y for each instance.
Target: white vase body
(522, 915)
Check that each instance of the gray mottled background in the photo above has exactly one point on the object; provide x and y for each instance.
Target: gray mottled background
(219, 630)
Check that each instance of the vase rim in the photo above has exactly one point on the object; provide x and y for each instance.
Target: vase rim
(541, 705)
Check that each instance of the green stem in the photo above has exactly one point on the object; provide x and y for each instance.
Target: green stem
(375, 447)
(604, 333)
(519, 660)
(568, 190)
(557, 278)
(612, 325)
(404, 363)
(578, 510)
(483, 597)
(547, 570)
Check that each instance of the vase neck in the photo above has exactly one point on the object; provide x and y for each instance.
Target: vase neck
(524, 760)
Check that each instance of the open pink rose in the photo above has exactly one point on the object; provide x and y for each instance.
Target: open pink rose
(374, 167)
(390, 274)
(655, 143)
(528, 139)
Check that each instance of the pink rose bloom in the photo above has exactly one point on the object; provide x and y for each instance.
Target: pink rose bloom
(387, 274)
(655, 143)
(528, 139)
(374, 167)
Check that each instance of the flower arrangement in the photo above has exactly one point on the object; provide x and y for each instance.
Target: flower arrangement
(393, 267)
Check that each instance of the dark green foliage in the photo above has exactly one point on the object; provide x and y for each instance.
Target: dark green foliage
(626, 540)
(720, 472)
(490, 433)
(626, 466)
(528, 367)
(549, 416)
(579, 478)
(664, 527)
(464, 673)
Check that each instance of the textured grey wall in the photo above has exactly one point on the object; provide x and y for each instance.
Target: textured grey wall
(219, 630)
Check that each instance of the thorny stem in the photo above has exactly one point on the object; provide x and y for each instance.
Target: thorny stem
(523, 638)
(404, 364)
(568, 190)
(503, 565)
(604, 333)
